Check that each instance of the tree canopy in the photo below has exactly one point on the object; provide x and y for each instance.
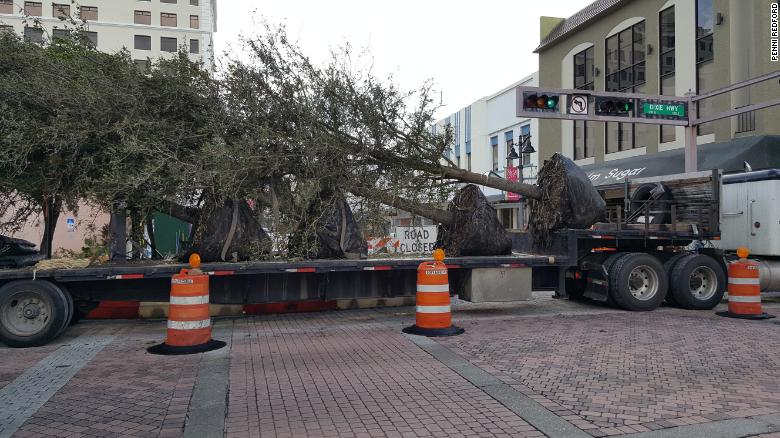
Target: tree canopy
(273, 142)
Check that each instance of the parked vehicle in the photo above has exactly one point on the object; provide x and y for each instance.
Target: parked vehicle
(660, 241)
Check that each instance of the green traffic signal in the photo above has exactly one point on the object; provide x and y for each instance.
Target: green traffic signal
(552, 102)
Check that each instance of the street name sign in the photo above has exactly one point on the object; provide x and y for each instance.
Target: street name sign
(663, 109)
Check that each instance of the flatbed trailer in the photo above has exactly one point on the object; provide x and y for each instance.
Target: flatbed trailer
(633, 265)
(33, 303)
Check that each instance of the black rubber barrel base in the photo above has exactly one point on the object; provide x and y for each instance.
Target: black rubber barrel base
(169, 350)
(433, 333)
(740, 316)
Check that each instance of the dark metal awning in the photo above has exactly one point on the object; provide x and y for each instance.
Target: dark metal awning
(761, 152)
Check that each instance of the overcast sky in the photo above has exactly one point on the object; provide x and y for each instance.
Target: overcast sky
(469, 50)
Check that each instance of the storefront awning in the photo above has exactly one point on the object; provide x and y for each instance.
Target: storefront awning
(761, 152)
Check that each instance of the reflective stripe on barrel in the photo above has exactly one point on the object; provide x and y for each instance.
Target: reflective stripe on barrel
(189, 322)
(744, 288)
(433, 296)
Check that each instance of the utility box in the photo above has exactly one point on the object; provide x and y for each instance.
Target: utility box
(498, 284)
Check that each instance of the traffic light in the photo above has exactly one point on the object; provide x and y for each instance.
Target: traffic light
(540, 102)
(614, 106)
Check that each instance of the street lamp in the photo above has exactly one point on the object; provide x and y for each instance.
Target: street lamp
(525, 147)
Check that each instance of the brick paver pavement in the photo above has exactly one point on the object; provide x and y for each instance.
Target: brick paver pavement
(122, 391)
(343, 374)
(633, 372)
(353, 374)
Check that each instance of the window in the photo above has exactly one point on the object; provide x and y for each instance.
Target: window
(92, 37)
(625, 70)
(167, 19)
(194, 46)
(525, 158)
(142, 64)
(60, 11)
(168, 1)
(583, 80)
(59, 34)
(6, 6)
(142, 42)
(508, 140)
(142, 17)
(705, 53)
(194, 2)
(468, 137)
(33, 34)
(667, 64)
(194, 22)
(88, 13)
(494, 147)
(167, 44)
(34, 9)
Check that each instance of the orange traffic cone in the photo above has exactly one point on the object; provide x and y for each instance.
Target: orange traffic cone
(433, 317)
(744, 289)
(189, 321)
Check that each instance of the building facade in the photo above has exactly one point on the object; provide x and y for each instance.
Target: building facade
(484, 133)
(667, 47)
(148, 29)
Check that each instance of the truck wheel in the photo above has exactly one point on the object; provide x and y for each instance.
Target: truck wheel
(698, 282)
(668, 266)
(32, 313)
(638, 281)
(70, 311)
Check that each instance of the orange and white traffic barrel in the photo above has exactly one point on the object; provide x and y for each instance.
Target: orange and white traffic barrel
(434, 314)
(189, 321)
(744, 289)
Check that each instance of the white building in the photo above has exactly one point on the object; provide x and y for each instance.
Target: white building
(146, 28)
(484, 133)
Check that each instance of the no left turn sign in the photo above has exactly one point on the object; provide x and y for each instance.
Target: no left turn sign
(578, 104)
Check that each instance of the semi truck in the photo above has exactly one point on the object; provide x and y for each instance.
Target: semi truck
(660, 241)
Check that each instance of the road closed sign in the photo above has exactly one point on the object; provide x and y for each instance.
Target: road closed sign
(416, 240)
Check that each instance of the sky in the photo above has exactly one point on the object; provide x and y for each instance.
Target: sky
(469, 49)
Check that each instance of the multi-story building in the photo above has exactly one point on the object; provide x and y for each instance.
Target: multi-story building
(146, 28)
(484, 133)
(667, 47)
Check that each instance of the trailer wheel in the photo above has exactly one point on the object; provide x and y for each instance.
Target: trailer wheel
(698, 282)
(638, 281)
(668, 266)
(70, 308)
(32, 313)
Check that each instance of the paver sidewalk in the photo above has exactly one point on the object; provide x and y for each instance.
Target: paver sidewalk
(353, 373)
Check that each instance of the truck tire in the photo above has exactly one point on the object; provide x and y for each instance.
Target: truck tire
(637, 281)
(609, 262)
(32, 313)
(668, 266)
(698, 282)
(70, 309)
(659, 215)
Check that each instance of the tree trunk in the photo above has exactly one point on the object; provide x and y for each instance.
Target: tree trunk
(528, 190)
(51, 213)
(118, 233)
(136, 235)
(435, 214)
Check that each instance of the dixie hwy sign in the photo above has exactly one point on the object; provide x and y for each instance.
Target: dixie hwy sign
(663, 109)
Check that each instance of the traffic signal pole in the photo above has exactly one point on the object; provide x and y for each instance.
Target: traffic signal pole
(644, 108)
(691, 155)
